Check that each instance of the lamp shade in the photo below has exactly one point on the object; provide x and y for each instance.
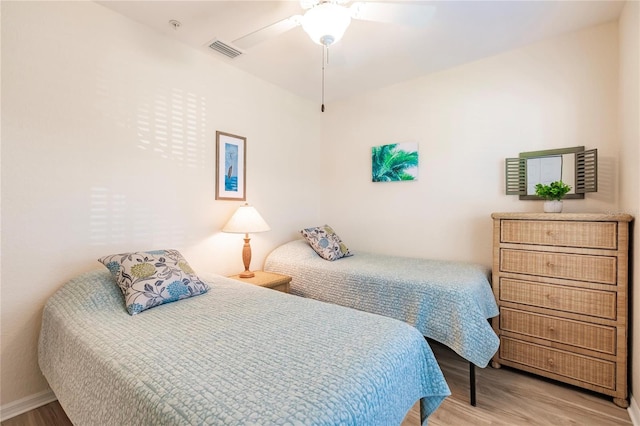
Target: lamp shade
(246, 220)
(326, 23)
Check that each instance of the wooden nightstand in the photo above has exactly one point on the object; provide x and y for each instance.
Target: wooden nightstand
(267, 279)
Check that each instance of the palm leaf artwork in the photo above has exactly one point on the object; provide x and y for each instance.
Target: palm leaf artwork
(394, 162)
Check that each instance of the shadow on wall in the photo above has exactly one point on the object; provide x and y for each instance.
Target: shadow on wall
(158, 134)
(172, 125)
(607, 189)
(114, 221)
(169, 122)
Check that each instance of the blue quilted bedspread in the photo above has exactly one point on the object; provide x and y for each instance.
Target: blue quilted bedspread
(447, 301)
(237, 355)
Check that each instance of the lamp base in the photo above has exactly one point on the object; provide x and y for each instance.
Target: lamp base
(247, 274)
(246, 258)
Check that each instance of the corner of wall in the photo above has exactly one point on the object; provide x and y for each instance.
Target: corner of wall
(634, 411)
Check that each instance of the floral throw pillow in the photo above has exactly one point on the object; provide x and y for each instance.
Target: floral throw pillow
(326, 242)
(151, 278)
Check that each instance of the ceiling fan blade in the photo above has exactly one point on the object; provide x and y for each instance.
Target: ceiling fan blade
(263, 34)
(308, 4)
(413, 14)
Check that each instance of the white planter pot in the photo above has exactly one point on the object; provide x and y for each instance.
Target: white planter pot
(553, 206)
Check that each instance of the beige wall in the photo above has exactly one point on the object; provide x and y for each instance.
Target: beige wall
(558, 93)
(629, 167)
(108, 145)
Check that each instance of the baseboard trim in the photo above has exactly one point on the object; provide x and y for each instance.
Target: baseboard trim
(634, 411)
(39, 399)
(25, 404)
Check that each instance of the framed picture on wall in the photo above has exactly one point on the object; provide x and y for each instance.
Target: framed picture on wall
(231, 162)
(394, 162)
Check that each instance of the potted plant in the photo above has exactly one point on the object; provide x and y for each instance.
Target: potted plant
(553, 194)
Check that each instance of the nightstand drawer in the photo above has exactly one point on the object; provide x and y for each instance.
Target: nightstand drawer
(575, 333)
(597, 303)
(601, 235)
(580, 267)
(595, 371)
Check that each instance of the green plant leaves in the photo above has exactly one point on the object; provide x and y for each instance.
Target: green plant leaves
(554, 191)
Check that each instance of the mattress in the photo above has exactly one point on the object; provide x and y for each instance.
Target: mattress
(237, 355)
(447, 301)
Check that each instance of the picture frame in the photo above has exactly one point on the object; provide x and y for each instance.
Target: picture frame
(394, 162)
(231, 167)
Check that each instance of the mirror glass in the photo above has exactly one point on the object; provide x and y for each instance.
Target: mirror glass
(550, 168)
(574, 166)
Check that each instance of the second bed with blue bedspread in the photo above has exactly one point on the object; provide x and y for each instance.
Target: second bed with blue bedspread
(447, 301)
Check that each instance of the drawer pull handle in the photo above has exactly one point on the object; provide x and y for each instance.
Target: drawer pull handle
(550, 265)
(550, 233)
(551, 329)
(550, 362)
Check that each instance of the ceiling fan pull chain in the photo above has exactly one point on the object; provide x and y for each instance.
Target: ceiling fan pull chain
(324, 48)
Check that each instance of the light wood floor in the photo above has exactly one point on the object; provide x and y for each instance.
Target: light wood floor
(505, 397)
(508, 397)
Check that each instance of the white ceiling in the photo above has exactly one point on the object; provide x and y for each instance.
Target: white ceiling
(371, 54)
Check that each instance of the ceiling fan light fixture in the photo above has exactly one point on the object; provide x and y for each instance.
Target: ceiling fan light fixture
(326, 23)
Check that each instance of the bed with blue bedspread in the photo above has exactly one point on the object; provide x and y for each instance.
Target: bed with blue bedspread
(236, 355)
(447, 301)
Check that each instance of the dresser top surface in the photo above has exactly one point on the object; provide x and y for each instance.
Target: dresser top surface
(599, 217)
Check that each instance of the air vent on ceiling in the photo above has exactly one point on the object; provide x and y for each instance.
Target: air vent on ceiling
(225, 49)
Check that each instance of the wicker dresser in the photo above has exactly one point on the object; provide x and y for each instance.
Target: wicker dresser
(561, 283)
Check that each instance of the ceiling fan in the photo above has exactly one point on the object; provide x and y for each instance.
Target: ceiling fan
(325, 21)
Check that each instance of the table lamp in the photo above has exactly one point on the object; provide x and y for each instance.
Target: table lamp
(246, 220)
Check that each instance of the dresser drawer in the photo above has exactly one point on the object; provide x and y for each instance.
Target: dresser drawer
(599, 235)
(560, 281)
(597, 372)
(575, 333)
(579, 267)
(596, 303)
